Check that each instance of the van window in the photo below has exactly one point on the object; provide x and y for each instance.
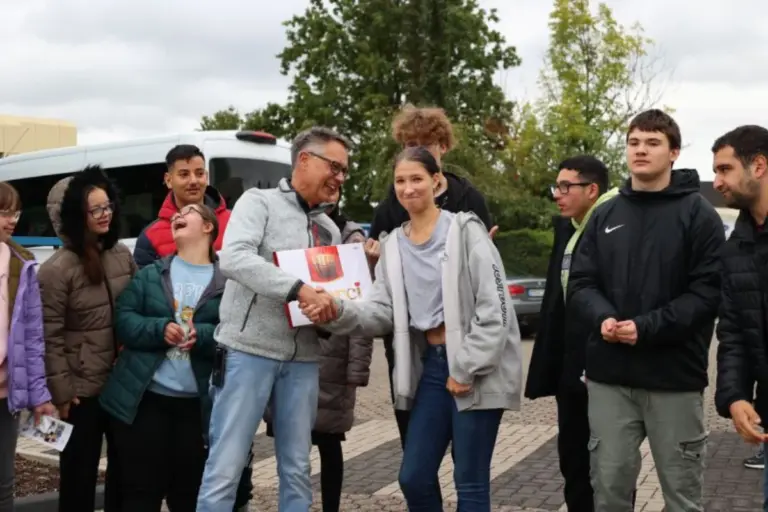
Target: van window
(142, 192)
(233, 176)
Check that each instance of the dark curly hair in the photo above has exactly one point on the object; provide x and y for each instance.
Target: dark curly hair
(73, 220)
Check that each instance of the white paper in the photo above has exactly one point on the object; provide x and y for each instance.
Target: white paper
(345, 273)
(51, 432)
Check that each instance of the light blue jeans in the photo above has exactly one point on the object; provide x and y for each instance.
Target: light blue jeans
(239, 406)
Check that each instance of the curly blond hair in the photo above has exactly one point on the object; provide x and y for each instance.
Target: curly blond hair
(423, 127)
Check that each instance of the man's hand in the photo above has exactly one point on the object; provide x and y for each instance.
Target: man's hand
(317, 305)
(457, 389)
(626, 332)
(64, 408)
(372, 250)
(174, 334)
(191, 337)
(746, 420)
(608, 330)
(46, 409)
(493, 231)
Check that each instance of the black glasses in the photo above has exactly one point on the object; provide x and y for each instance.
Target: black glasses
(99, 212)
(336, 167)
(565, 186)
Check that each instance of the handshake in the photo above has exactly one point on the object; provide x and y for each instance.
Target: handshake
(317, 304)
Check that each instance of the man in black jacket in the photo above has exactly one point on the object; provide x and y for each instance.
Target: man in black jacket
(741, 175)
(428, 127)
(646, 280)
(559, 353)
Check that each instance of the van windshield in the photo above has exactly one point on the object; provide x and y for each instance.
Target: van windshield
(233, 176)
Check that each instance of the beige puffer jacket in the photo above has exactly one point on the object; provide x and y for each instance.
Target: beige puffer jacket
(77, 315)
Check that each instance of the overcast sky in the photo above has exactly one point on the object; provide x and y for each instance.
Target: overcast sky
(120, 69)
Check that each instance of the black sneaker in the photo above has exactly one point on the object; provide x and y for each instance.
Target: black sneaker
(756, 461)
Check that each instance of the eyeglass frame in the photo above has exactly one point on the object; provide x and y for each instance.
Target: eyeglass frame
(93, 211)
(335, 166)
(567, 185)
(15, 215)
(182, 213)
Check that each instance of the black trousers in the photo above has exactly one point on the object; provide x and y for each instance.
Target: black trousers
(331, 469)
(572, 441)
(162, 454)
(79, 462)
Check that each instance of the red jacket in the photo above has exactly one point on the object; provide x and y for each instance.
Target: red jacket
(156, 240)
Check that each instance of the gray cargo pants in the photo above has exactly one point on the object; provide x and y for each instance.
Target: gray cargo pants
(620, 419)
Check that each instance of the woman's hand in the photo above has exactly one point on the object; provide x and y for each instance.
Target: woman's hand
(456, 388)
(174, 334)
(64, 408)
(46, 409)
(372, 249)
(191, 337)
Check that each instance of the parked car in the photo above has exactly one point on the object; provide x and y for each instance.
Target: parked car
(527, 293)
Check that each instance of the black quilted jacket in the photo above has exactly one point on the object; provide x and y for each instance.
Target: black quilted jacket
(742, 356)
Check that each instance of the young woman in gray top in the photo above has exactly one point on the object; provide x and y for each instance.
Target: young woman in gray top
(440, 288)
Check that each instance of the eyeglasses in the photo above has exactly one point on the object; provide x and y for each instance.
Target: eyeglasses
(13, 215)
(99, 212)
(565, 186)
(336, 167)
(184, 212)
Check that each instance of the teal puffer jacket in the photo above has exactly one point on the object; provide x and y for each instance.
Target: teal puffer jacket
(141, 314)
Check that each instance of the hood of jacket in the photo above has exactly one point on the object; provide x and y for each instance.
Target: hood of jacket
(212, 198)
(65, 208)
(681, 183)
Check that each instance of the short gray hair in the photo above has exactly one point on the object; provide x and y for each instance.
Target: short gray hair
(315, 136)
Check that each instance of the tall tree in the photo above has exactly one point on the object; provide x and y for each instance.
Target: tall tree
(355, 63)
(597, 75)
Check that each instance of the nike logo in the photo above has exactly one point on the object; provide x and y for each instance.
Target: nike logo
(614, 228)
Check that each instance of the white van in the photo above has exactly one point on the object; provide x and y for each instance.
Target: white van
(237, 161)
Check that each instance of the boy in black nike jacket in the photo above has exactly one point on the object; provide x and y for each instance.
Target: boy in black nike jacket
(646, 276)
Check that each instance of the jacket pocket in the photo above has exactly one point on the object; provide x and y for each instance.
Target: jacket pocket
(251, 305)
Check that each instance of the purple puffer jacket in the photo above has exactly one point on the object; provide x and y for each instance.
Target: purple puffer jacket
(26, 348)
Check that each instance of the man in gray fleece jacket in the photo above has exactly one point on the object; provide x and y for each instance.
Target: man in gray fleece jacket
(266, 360)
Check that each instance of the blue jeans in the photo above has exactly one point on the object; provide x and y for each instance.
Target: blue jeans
(238, 407)
(435, 422)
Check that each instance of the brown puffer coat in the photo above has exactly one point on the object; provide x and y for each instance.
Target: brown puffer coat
(77, 315)
(344, 366)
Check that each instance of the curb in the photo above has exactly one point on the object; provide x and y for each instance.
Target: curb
(49, 501)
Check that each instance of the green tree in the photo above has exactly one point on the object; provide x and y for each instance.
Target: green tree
(597, 76)
(354, 64)
(227, 119)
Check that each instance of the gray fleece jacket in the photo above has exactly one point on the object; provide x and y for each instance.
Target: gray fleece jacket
(481, 330)
(252, 311)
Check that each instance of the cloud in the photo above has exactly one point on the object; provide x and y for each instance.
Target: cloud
(121, 69)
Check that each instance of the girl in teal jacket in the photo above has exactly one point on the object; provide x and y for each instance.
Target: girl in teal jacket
(158, 391)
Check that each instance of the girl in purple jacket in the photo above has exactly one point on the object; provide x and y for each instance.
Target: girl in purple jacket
(22, 366)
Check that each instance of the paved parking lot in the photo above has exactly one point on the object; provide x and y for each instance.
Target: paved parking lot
(525, 467)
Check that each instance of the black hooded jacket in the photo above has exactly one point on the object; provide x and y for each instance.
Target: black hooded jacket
(651, 257)
(461, 196)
